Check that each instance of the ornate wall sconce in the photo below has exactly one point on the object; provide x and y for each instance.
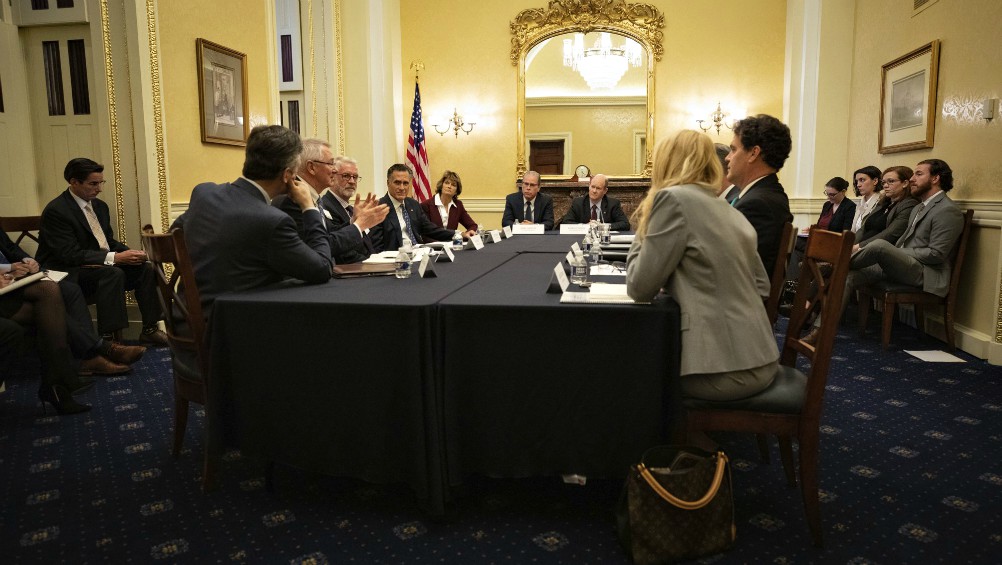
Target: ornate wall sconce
(717, 120)
(455, 123)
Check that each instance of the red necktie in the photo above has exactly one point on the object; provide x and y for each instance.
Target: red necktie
(594, 212)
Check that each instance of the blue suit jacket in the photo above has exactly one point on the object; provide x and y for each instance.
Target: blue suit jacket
(237, 241)
(386, 236)
(514, 210)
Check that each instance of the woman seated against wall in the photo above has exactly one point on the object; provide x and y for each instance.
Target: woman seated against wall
(703, 253)
(445, 209)
(40, 304)
(890, 220)
(867, 184)
(836, 215)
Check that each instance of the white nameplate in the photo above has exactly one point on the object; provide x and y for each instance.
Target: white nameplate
(495, 236)
(507, 231)
(527, 229)
(478, 242)
(425, 269)
(558, 272)
(573, 229)
(449, 255)
(575, 247)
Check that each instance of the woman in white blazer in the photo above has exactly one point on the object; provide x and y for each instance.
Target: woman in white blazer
(703, 253)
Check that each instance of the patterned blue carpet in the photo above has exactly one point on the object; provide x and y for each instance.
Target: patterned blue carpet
(911, 473)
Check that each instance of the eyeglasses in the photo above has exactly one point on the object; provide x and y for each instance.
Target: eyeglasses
(330, 164)
(349, 176)
(829, 194)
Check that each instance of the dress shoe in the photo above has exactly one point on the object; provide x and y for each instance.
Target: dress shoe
(99, 365)
(60, 399)
(123, 354)
(80, 385)
(156, 338)
(812, 337)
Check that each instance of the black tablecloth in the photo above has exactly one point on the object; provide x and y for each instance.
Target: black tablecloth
(532, 386)
(377, 378)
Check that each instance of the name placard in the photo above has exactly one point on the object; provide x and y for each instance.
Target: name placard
(573, 229)
(477, 241)
(528, 229)
(507, 231)
(425, 268)
(558, 281)
(448, 254)
(495, 236)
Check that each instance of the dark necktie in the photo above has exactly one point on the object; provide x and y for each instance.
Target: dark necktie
(407, 221)
(594, 212)
(528, 210)
(350, 209)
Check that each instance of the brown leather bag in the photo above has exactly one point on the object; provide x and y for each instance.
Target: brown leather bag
(677, 504)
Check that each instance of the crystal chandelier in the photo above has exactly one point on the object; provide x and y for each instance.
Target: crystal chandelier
(602, 65)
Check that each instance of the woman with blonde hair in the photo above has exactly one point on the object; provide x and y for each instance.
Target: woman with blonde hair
(703, 253)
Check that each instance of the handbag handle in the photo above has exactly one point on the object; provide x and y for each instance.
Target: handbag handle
(668, 497)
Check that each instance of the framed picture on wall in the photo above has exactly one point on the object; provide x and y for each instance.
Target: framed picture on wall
(908, 100)
(222, 94)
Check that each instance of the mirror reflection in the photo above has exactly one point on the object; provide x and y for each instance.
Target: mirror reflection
(586, 104)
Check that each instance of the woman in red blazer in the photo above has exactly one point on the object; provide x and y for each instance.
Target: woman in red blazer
(446, 204)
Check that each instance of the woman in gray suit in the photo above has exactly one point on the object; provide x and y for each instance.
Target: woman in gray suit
(703, 253)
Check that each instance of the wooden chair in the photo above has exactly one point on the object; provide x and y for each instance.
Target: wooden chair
(791, 407)
(22, 225)
(892, 294)
(779, 271)
(186, 328)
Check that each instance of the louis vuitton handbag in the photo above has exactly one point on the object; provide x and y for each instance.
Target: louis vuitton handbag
(676, 504)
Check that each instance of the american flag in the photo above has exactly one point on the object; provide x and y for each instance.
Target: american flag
(417, 154)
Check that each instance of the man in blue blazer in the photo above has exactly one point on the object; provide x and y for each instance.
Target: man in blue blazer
(405, 214)
(599, 206)
(238, 241)
(539, 206)
(76, 237)
(350, 223)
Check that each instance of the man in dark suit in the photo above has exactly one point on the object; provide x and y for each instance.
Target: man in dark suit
(76, 237)
(528, 206)
(238, 241)
(405, 214)
(598, 207)
(348, 237)
(759, 149)
(100, 356)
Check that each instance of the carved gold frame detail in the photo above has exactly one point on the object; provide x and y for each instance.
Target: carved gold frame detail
(641, 22)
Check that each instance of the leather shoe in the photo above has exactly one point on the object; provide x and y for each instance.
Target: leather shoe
(123, 354)
(156, 338)
(812, 337)
(99, 365)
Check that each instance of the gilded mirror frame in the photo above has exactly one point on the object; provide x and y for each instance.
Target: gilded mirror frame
(641, 22)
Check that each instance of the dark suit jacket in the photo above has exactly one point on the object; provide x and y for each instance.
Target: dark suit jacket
(514, 210)
(457, 215)
(12, 252)
(239, 242)
(65, 240)
(612, 213)
(842, 219)
(348, 245)
(387, 235)
(767, 208)
(887, 223)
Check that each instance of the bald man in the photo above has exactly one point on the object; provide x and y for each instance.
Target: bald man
(598, 206)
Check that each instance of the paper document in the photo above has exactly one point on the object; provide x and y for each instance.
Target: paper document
(55, 276)
(601, 293)
(384, 257)
(622, 238)
(935, 356)
(23, 281)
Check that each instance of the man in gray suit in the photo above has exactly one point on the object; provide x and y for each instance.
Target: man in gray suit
(237, 241)
(921, 257)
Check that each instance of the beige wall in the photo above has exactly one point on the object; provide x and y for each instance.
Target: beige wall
(602, 136)
(466, 51)
(189, 161)
(969, 71)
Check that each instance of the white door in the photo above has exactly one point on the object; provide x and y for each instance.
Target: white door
(63, 107)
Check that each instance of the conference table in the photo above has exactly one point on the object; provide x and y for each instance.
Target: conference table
(427, 380)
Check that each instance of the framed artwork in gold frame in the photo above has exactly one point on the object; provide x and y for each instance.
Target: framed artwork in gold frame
(222, 94)
(908, 100)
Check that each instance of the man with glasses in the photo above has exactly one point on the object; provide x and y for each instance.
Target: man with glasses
(76, 237)
(350, 216)
(319, 170)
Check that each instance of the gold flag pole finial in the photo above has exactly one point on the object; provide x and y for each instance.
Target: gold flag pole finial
(417, 66)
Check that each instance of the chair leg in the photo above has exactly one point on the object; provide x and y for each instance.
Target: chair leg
(885, 333)
(763, 448)
(786, 455)
(864, 312)
(180, 422)
(809, 483)
(948, 328)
